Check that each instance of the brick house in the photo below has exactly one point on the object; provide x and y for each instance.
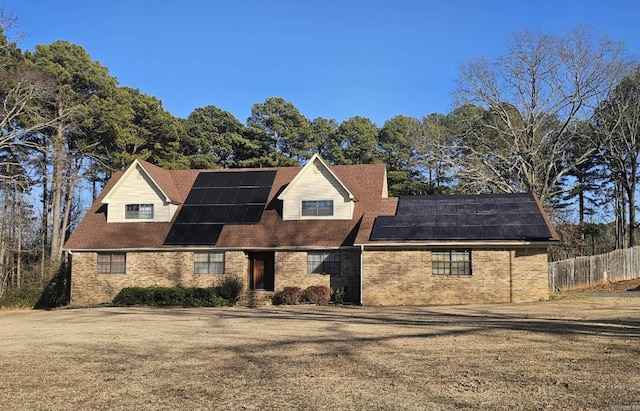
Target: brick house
(303, 226)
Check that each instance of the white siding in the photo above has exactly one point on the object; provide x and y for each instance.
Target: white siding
(137, 188)
(317, 184)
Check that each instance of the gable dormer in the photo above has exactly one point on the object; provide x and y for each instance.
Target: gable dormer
(316, 193)
(139, 197)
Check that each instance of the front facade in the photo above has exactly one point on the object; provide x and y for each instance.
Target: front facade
(303, 226)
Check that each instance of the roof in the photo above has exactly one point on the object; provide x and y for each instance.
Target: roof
(161, 178)
(377, 220)
(311, 163)
(366, 182)
(465, 217)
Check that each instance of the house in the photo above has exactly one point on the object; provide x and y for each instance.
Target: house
(303, 226)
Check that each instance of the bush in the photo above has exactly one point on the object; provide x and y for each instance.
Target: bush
(170, 296)
(338, 295)
(39, 288)
(24, 297)
(203, 297)
(230, 288)
(288, 296)
(318, 294)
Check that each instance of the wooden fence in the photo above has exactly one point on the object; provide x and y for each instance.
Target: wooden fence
(585, 271)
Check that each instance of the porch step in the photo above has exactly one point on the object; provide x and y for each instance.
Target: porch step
(255, 298)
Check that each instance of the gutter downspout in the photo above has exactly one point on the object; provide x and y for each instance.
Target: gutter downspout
(361, 274)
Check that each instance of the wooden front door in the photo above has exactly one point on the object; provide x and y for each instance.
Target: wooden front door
(261, 271)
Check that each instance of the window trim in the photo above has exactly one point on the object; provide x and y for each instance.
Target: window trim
(330, 262)
(210, 263)
(315, 206)
(147, 214)
(452, 266)
(114, 267)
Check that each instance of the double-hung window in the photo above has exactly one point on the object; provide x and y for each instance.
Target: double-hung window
(208, 262)
(317, 208)
(451, 262)
(112, 263)
(323, 262)
(138, 212)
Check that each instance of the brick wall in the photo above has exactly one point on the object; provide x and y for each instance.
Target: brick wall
(165, 269)
(291, 271)
(145, 269)
(391, 277)
(395, 277)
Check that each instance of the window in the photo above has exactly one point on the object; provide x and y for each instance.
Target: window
(323, 262)
(451, 262)
(208, 263)
(112, 263)
(138, 211)
(315, 208)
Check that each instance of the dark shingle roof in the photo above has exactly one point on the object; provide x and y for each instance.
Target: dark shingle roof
(465, 217)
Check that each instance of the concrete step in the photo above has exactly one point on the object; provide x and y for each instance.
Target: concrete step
(254, 298)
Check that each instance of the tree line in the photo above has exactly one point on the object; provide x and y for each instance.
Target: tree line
(556, 115)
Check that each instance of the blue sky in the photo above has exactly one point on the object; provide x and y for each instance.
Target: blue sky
(334, 59)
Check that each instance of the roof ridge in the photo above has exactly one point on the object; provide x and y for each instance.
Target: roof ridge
(163, 178)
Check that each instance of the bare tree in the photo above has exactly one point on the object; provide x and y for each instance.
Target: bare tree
(531, 98)
(22, 92)
(617, 138)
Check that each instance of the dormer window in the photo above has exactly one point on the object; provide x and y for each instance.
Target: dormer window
(138, 212)
(317, 208)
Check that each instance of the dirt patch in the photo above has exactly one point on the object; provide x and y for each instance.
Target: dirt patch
(627, 288)
(565, 354)
(615, 287)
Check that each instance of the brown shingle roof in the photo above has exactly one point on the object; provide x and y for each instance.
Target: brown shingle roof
(365, 181)
(171, 181)
(387, 207)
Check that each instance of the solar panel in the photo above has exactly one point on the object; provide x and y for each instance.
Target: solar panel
(177, 234)
(463, 217)
(227, 195)
(265, 178)
(253, 213)
(236, 214)
(218, 198)
(186, 215)
(194, 197)
(209, 196)
(244, 194)
(249, 179)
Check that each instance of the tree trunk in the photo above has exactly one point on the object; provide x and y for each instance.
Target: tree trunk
(631, 192)
(621, 217)
(19, 239)
(56, 194)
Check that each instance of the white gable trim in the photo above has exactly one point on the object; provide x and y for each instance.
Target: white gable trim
(130, 170)
(306, 167)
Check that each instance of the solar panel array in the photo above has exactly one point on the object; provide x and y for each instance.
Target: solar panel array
(219, 198)
(463, 217)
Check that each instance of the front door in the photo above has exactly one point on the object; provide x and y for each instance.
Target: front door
(261, 271)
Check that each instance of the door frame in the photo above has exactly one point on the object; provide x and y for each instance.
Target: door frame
(266, 261)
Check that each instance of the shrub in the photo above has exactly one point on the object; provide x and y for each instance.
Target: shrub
(318, 294)
(133, 296)
(24, 297)
(170, 296)
(40, 288)
(203, 297)
(338, 295)
(230, 288)
(288, 296)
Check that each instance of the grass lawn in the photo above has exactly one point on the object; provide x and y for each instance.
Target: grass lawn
(581, 353)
